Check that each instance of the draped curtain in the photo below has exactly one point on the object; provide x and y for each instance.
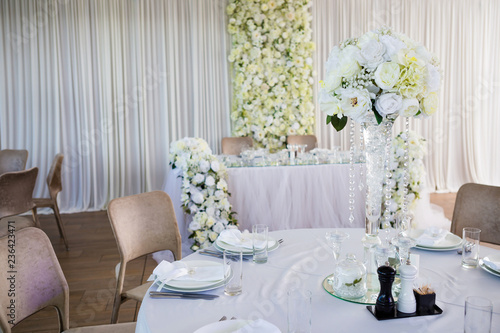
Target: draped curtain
(462, 135)
(111, 83)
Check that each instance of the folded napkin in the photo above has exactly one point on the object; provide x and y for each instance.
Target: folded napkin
(258, 326)
(494, 265)
(236, 238)
(181, 271)
(431, 236)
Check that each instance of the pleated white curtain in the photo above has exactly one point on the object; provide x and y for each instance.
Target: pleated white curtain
(110, 84)
(463, 136)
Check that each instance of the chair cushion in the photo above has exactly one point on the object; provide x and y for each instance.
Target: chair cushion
(137, 293)
(20, 223)
(114, 328)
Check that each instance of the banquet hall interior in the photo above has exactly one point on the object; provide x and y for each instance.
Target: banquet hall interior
(243, 112)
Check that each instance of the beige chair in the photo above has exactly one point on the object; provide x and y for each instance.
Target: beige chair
(310, 140)
(55, 186)
(478, 206)
(39, 283)
(235, 145)
(16, 197)
(12, 160)
(142, 224)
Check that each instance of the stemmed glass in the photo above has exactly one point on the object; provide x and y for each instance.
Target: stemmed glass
(335, 239)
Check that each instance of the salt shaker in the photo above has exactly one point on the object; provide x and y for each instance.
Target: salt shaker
(406, 300)
(385, 306)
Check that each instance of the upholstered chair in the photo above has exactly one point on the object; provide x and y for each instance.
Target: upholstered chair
(142, 224)
(310, 140)
(478, 206)
(55, 186)
(16, 197)
(235, 145)
(13, 160)
(39, 283)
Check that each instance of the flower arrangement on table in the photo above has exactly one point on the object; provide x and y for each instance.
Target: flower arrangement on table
(204, 190)
(416, 152)
(381, 74)
(271, 57)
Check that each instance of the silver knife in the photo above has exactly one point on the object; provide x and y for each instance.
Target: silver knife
(182, 295)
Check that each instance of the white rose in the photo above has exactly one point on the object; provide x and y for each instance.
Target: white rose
(355, 103)
(213, 236)
(218, 227)
(348, 65)
(197, 197)
(430, 104)
(387, 75)
(333, 62)
(194, 226)
(329, 104)
(215, 165)
(198, 178)
(410, 107)
(433, 78)
(210, 211)
(210, 181)
(222, 184)
(332, 80)
(219, 194)
(392, 46)
(372, 54)
(204, 166)
(388, 104)
(366, 38)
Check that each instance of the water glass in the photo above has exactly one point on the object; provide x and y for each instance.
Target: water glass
(233, 272)
(478, 313)
(470, 247)
(260, 243)
(299, 311)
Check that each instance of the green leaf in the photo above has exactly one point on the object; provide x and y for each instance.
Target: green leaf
(337, 123)
(377, 116)
(328, 119)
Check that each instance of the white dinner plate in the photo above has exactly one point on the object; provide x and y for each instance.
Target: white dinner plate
(195, 286)
(493, 258)
(488, 269)
(450, 242)
(272, 245)
(227, 326)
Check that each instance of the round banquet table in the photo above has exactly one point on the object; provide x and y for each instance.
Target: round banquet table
(303, 261)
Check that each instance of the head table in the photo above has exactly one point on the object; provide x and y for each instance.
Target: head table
(303, 261)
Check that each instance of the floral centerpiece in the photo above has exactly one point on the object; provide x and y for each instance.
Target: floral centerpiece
(204, 190)
(271, 59)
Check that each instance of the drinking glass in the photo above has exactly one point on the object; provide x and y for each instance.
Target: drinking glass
(478, 313)
(260, 243)
(299, 311)
(233, 272)
(470, 247)
(335, 239)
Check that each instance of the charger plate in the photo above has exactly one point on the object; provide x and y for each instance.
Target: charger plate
(272, 245)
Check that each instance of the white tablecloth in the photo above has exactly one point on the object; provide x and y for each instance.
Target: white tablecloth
(303, 261)
(284, 197)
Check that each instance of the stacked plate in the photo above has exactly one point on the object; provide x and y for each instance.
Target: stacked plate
(272, 245)
(448, 243)
(491, 264)
(193, 285)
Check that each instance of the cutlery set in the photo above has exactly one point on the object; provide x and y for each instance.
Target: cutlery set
(164, 294)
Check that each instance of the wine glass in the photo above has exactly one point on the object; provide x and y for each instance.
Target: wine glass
(335, 239)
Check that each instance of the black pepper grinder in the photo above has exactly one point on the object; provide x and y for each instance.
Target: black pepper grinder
(385, 306)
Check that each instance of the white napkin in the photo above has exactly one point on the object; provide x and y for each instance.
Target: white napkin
(494, 265)
(236, 238)
(181, 271)
(258, 326)
(431, 236)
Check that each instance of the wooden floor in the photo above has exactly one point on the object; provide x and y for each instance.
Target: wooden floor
(89, 267)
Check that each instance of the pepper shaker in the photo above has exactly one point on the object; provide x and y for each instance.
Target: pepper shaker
(385, 306)
(406, 300)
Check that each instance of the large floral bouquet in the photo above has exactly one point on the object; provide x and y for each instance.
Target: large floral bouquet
(271, 57)
(204, 190)
(381, 74)
(416, 151)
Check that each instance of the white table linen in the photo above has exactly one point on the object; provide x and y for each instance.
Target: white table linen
(283, 197)
(303, 261)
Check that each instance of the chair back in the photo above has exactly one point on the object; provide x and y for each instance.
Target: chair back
(54, 177)
(13, 160)
(310, 140)
(39, 280)
(478, 206)
(16, 192)
(143, 224)
(235, 145)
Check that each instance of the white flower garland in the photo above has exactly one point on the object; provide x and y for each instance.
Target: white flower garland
(204, 190)
(271, 57)
(417, 150)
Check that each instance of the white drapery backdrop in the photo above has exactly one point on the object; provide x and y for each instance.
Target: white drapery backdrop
(111, 83)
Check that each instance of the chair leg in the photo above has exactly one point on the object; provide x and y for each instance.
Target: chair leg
(35, 218)
(60, 225)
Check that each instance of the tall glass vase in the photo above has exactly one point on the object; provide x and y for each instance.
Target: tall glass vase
(375, 142)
